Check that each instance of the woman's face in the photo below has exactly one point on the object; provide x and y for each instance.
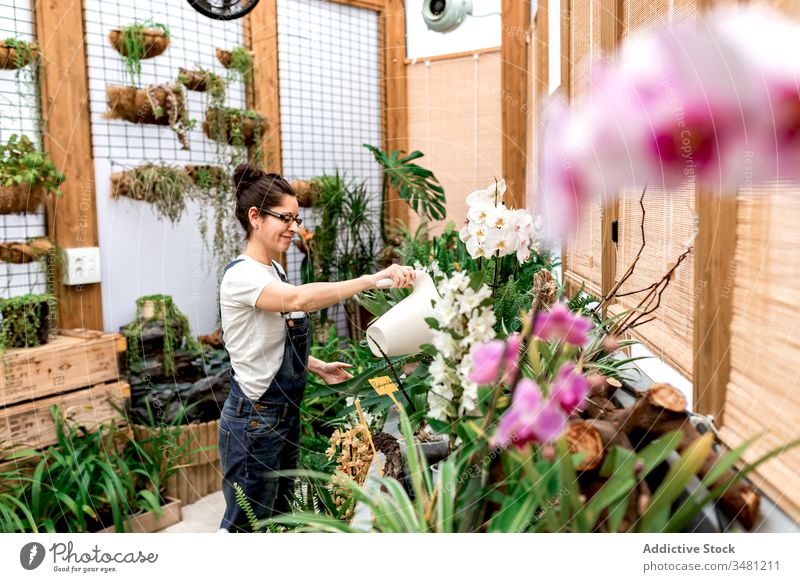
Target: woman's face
(271, 231)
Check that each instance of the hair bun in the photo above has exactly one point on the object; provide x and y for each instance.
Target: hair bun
(245, 175)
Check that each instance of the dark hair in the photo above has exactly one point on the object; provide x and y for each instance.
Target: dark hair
(254, 187)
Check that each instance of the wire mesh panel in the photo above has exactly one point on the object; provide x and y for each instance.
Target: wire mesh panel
(20, 115)
(330, 97)
(141, 254)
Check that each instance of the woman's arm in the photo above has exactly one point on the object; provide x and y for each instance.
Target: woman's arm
(282, 297)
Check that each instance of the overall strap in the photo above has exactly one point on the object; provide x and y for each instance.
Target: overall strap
(229, 265)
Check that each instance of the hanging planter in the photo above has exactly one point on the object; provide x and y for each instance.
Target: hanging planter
(165, 187)
(15, 54)
(156, 105)
(25, 252)
(207, 176)
(306, 192)
(25, 321)
(26, 176)
(200, 80)
(239, 59)
(234, 126)
(137, 42)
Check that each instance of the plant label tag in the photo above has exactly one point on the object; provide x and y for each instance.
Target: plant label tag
(383, 385)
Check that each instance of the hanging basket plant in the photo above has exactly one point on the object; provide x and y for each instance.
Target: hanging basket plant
(26, 176)
(156, 105)
(234, 126)
(25, 321)
(137, 42)
(15, 54)
(238, 60)
(165, 187)
(207, 176)
(200, 80)
(306, 192)
(25, 252)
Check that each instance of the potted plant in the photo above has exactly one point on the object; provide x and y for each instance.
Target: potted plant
(201, 80)
(25, 320)
(15, 53)
(138, 41)
(157, 105)
(165, 187)
(26, 176)
(238, 60)
(234, 126)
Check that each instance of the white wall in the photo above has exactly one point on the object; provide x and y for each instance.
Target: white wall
(474, 33)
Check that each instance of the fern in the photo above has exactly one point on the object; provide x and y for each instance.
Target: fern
(244, 504)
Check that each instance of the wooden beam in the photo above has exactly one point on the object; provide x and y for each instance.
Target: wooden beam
(610, 36)
(261, 37)
(393, 33)
(377, 5)
(542, 40)
(714, 273)
(566, 92)
(514, 78)
(451, 56)
(66, 127)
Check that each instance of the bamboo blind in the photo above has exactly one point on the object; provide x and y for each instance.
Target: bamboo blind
(762, 392)
(454, 108)
(669, 225)
(583, 250)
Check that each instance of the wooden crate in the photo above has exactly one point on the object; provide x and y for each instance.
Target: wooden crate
(31, 424)
(75, 359)
(201, 474)
(149, 522)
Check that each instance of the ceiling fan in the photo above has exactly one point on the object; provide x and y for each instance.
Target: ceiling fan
(223, 9)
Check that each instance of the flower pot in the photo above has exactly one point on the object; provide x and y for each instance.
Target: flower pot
(36, 313)
(149, 522)
(25, 252)
(9, 55)
(21, 198)
(306, 192)
(225, 58)
(233, 127)
(152, 307)
(436, 448)
(132, 104)
(155, 41)
(194, 80)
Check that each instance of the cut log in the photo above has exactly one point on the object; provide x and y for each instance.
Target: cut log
(583, 438)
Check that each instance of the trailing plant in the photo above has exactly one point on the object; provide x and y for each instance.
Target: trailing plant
(25, 320)
(240, 62)
(24, 53)
(177, 332)
(413, 183)
(176, 111)
(23, 163)
(133, 47)
(165, 187)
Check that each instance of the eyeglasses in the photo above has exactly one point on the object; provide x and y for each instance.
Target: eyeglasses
(285, 218)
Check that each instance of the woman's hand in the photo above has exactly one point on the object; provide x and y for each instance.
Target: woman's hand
(333, 372)
(400, 275)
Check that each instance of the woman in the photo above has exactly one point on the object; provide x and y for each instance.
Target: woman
(265, 328)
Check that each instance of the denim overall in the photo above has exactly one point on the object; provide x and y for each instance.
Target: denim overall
(258, 438)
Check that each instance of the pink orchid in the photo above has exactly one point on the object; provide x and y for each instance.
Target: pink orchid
(529, 419)
(487, 358)
(561, 324)
(570, 388)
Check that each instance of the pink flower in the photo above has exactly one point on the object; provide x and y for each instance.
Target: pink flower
(570, 388)
(529, 419)
(487, 358)
(561, 324)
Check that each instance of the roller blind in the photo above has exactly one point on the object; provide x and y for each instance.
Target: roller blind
(762, 395)
(669, 225)
(583, 250)
(454, 119)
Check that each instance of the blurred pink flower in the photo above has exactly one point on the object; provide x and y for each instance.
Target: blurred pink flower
(529, 419)
(486, 360)
(570, 388)
(562, 324)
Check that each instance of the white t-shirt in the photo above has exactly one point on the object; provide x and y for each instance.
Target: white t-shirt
(253, 337)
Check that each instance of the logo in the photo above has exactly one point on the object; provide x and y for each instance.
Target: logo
(31, 555)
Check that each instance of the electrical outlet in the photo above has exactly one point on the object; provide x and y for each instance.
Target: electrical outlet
(82, 266)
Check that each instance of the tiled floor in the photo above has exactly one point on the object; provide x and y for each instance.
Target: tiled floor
(202, 516)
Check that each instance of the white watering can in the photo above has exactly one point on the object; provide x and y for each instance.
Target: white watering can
(402, 330)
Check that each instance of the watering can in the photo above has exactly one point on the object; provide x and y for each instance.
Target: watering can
(402, 330)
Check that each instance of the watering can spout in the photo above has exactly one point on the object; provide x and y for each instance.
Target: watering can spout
(403, 330)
